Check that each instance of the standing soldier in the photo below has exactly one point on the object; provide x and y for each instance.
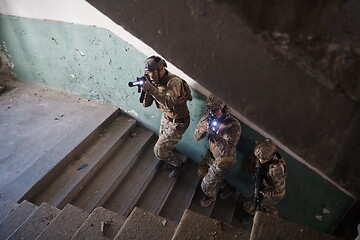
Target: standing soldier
(272, 174)
(223, 132)
(170, 94)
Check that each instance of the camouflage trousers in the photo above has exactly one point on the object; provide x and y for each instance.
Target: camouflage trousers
(169, 134)
(213, 176)
(268, 204)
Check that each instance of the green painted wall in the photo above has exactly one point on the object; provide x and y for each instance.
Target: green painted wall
(94, 63)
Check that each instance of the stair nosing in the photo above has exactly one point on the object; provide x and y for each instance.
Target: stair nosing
(59, 199)
(117, 178)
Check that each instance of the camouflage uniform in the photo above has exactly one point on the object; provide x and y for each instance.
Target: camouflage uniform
(222, 153)
(274, 181)
(170, 96)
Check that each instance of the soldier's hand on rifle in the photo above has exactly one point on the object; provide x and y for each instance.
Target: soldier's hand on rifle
(265, 194)
(204, 125)
(218, 130)
(147, 85)
(210, 130)
(221, 128)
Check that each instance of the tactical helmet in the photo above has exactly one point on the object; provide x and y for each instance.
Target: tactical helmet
(264, 149)
(154, 63)
(213, 104)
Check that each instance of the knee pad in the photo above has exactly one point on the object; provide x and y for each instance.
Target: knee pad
(208, 188)
(160, 153)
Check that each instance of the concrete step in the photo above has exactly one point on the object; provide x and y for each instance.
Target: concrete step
(37, 176)
(7, 207)
(194, 225)
(270, 227)
(16, 218)
(35, 223)
(158, 190)
(105, 181)
(195, 202)
(65, 224)
(224, 210)
(181, 195)
(101, 224)
(71, 178)
(242, 219)
(142, 224)
(130, 189)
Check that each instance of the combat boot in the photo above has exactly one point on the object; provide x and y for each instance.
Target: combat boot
(176, 171)
(207, 201)
(226, 191)
(169, 167)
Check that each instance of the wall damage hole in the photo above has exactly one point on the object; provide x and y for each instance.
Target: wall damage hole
(81, 53)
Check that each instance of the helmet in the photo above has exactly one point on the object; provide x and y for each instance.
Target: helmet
(264, 149)
(154, 63)
(213, 103)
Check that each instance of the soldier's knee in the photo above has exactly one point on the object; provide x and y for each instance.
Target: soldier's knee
(204, 185)
(249, 207)
(272, 212)
(202, 170)
(161, 153)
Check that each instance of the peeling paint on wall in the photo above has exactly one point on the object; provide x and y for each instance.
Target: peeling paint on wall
(81, 53)
(132, 113)
(6, 66)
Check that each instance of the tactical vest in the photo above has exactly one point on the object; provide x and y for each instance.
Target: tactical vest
(277, 160)
(180, 109)
(215, 147)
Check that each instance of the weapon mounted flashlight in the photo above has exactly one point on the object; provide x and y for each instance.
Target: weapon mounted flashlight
(214, 124)
(139, 82)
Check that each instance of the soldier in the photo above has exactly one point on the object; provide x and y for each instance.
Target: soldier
(223, 132)
(170, 94)
(273, 175)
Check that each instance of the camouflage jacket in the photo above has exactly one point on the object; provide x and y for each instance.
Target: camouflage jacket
(170, 96)
(223, 142)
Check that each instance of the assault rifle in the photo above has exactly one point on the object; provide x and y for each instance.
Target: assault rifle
(140, 81)
(259, 186)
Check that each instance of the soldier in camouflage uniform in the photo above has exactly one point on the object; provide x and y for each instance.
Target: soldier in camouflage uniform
(274, 175)
(170, 94)
(223, 133)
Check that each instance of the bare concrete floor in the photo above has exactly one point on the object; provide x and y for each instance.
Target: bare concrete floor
(33, 120)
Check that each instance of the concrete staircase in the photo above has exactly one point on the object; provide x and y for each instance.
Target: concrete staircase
(111, 186)
(27, 221)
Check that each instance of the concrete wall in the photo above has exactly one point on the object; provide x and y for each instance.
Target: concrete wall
(271, 91)
(91, 56)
